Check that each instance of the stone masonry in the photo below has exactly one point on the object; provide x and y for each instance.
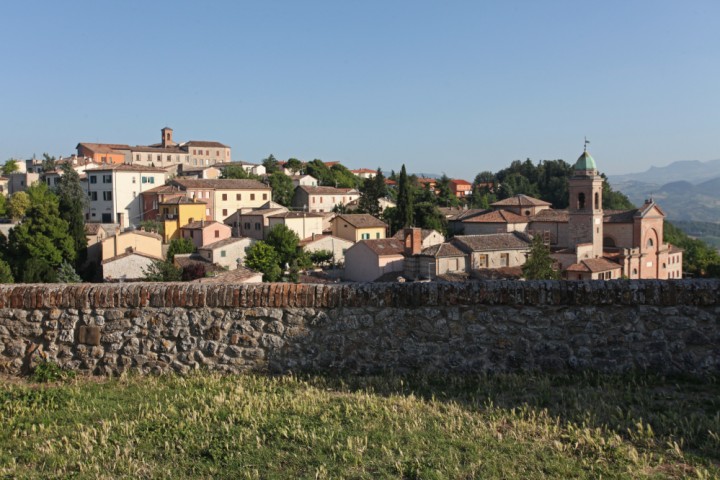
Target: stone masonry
(659, 326)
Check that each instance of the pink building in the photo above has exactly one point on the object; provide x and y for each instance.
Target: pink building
(204, 233)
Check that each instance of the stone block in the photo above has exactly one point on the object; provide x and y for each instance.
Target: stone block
(89, 335)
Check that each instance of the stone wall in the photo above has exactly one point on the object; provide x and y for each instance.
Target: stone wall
(663, 326)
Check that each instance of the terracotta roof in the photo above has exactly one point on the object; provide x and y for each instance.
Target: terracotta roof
(181, 201)
(298, 215)
(390, 182)
(425, 180)
(520, 201)
(125, 167)
(165, 189)
(425, 232)
(326, 190)
(201, 224)
(361, 220)
(104, 147)
(93, 228)
(127, 254)
(491, 242)
(200, 143)
(221, 183)
(265, 212)
(465, 214)
(222, 243)
(619, 216)
(363, 170)
(442, 250)
(675, 249)
(157, 149)
(239, 275)
(497, 216)
(451, 213)
(497, 273)
(593, 265)
(384, 246)
(459, 181)
(551, 215)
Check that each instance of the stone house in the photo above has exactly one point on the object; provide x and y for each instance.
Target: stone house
(127, 267)
(358, 226)
(428, 237)
(228, 253)
(204, 233)
(368, 260)
(496, 250)
(338, 246)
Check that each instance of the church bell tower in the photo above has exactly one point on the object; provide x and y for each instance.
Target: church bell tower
(585, 224)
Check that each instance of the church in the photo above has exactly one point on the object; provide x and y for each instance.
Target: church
(586, 241)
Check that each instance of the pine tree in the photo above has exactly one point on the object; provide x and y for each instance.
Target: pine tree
(405, 207)
(72, 200)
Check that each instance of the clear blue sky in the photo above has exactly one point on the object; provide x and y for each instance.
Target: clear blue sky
(454, 87)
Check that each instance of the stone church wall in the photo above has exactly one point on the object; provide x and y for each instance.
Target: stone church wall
(663, 327)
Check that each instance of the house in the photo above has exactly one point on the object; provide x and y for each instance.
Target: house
(460, 188)
(254, 223)
(204, 172)
(114, 192)
(4, 186)
(484, 222)
(304, 180)
(337, 246)
(427, 183)
(368, 260)
(225, 196)
(494, 251)
(132, 241)
(95, 233)
(383, 203)
(127, 267)
(522, 205)
(430, 261)
(238, 275)
(428, 237)
(228, 253)
(358, 226)
(364, 173)
(304, 224)
(20, 181)
(250, 168)
(177, 212)
(151, 200)
(322, 199)
(167, 154)
(203, 233)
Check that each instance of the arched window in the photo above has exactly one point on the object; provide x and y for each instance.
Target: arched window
(634, 271)
(597, 201)
(609, 242)
(581, 201)
(650, 242)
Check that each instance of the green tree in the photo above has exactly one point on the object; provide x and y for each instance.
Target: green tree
(3, 206)
(405, 207)
(371, 191)
(162, 271)
(48, 163)
(18, 205)
(539, 264)
(6, 275)
(285, 242)
(321, 257)
(179, 245)
(67, 274)
(261, 257)
(428, 216)
(271, 164)
(10, 166)
(294, 164)
(344, 178)
(282, 188)
(445, 196)
(319, 170)
(699, 259)
(236, 172)
(72, 201)
(43, 237)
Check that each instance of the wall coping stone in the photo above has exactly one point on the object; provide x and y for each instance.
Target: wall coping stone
(696, 292)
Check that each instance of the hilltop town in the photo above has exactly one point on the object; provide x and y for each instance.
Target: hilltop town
(187, 211)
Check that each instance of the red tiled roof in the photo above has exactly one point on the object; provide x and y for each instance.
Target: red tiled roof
(199, 225)
(384, 246)
(520, 201)
(326, 190)
(221, 183)
(550, 215)
(593, 265)
(442, 250)
(458, 181)
(125, 167)
(361, 220)
(492, 242)
(200, 143)
(497, 216)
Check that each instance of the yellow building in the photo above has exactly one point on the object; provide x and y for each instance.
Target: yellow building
(178, 212)
(136, 241)
(359, 226)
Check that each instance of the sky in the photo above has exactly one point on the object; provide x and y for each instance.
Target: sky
(454, 87)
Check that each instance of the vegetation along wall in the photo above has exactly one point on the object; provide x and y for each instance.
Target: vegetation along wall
(662, 326)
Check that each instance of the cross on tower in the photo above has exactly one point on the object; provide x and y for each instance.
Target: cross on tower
(586, 144)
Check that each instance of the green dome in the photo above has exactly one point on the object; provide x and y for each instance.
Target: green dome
(585, 162)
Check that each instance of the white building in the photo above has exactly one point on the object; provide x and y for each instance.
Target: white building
(114, 192)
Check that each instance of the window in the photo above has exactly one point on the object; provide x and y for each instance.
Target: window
(377, 235)
(224, 212)
(504, 259)
(257, 225)
(151, 179)
(93, 196)
(238, 196)
(597, 201)
(159, 158)
(264, 196)
(246, 225)
(650, 243)
(134, 194)
(93, 179)
(194, 152)
(223, 254)
(581, 201)
(365, 236)
(217, 233)
(107, 178)
(169, 158)
(149, 157)
(207, 153)
(224, 196)
(137, 157)
(252, 196)
(134, 180)
(144, 180)
(107, 196)
(482, 261)
(217, 153)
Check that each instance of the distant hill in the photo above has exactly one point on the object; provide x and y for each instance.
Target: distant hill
(693, 171)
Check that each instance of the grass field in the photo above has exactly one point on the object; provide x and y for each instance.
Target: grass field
(506, 426)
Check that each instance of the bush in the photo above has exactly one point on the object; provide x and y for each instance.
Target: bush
(47, 371)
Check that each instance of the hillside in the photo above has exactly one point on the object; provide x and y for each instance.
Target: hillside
(693, 171)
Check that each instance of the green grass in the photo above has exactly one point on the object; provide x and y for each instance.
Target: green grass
(505, 426)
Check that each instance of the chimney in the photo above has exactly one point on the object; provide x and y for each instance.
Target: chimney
(413, 241)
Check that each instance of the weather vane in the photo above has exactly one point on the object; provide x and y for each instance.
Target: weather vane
(587, 142)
